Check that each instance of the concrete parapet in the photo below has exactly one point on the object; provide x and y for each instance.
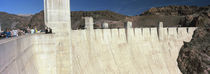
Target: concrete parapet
(172, 33)
(182, 33)
(128, 24)
(129, 31)
(107, 36)
(160, 24)
(99, 35)
(89, 23)
(122, 34)
(160, 31)
(138, 34)
(153, 34)
(146, 34)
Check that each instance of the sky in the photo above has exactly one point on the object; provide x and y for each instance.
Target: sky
(126, 7)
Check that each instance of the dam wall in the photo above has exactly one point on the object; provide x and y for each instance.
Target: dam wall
(16, 56)
(128, 51)
(34, 54)
(97, 51)
(92, 51)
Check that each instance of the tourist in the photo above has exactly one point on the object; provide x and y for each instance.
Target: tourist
(3, 34)
(21, 32)
(27, 30)
(50, 30)
(14, 33)
(36, 31)
(46, 30)
(8, 33)
(32, 31)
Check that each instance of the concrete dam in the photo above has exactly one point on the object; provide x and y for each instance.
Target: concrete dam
(92, 51)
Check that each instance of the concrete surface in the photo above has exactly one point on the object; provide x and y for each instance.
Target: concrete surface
(92, 51)
(102, 51)
(57, 17)
(111, 51)
(16, 56)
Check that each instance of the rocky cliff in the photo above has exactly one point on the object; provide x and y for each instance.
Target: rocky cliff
(176, 10)
(13, 21)
(194, 57)
(192, 15)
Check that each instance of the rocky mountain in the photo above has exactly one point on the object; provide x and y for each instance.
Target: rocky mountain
(172, 16)
(199, 20)
(115, 20)
(192, 15)
(13, 21)
(78, 21)
(37, 21)
(176, 10)
(194, 57)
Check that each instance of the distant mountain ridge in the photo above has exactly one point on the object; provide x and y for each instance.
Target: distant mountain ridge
(172, 16)
(77, 20)
(13, 21)
(176, 10)
(193, 15)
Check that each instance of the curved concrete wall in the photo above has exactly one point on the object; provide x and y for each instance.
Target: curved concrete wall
(96, 51)
(16, 56)
(131, 50)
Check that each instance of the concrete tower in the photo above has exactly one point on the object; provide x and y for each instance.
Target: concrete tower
(57, 17)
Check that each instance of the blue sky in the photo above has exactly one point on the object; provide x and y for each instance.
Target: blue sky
(126, 7)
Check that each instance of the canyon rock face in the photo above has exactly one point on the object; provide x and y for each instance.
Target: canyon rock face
(193, 16)
(194, 57)
(176, 10)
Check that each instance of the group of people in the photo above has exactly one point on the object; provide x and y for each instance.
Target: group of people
(17, 32)
(48, 30)
(10, 33)
(32, 31)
